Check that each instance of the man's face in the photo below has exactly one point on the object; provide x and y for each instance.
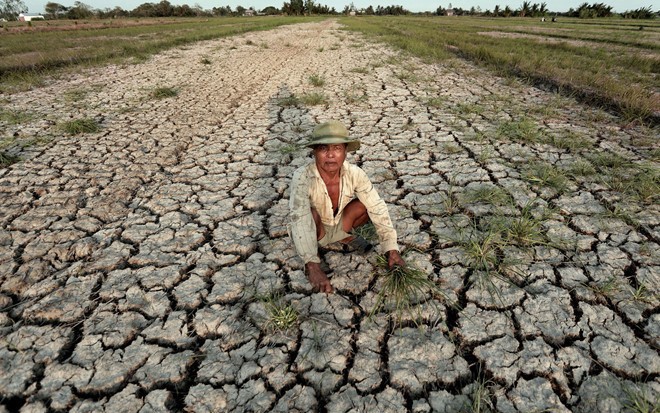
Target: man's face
(329, 158)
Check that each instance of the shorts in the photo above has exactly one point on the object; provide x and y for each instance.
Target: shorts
(333, 234)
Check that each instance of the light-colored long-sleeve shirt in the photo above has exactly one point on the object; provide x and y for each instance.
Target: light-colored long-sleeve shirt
(309, 191)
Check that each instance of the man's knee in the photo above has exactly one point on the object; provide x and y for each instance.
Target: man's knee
(355, 215)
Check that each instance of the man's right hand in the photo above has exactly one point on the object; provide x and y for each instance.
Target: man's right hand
(317, 278)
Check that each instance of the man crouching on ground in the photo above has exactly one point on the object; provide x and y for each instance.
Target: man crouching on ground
(324, 207)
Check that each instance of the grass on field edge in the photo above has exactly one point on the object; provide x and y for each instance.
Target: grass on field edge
(436, 40)
(145, 41)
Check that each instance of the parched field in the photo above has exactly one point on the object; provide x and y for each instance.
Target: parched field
(145, 264)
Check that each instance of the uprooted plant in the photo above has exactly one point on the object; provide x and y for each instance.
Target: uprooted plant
(403, 290)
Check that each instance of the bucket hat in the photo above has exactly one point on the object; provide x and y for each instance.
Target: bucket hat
(332, 132)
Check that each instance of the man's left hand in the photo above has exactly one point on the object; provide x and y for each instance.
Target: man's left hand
(394, 259)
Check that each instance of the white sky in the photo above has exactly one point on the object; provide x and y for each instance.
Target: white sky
(37, 6)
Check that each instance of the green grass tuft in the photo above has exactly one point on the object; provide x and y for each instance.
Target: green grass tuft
(80, 126)
(313, 99)
(289, 101)
(281, 315)
(581, 168)
(640, 400)
(546, 175)
(402, 290)
(164, 92)
(488, 194)
(7, 159)
(360, 70)
(316, 80)
(15, 117)
(524, 130)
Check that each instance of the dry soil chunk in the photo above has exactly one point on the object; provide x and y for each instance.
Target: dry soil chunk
(536, 395)
(419, 358)
(615, 344)
(348, 400)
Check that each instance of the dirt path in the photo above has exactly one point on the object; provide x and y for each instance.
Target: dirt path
(142, 267)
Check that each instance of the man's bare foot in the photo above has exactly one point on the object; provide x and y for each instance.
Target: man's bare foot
(317, 278)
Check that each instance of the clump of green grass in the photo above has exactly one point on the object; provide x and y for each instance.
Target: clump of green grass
(75, 95)
(407, 76)
(581, 168)
(523, 130)
(641, 182)
(488, 194)
(481, 249)
(604, 289)
(403, 289)
(486, 153)
(356, 98)
(289, 148)
(608, 160)
(546, 175)
(525, 230)
(361, 70)
(481, 396)
(320, 49)
(313, 99)
(469, 109)
(451, 203)
(164, 92)
(316, 80)
(8, 159)
(205, 61)
(289, 101)
(641, 294)
(639, 400)
(15, 117)
(80, 126)
(570, 141)
(264, 45)
(281, 315)
(436, 102)
(451, 148)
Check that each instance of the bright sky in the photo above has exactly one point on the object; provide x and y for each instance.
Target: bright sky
(37, 6)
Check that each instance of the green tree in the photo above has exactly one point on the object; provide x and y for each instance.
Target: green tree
(222, 11)
(496, 10)
(309, 6)
(524, 9)
(54, 10)
(80, 11)
(163, 9)
(295, 7)
(10, 9)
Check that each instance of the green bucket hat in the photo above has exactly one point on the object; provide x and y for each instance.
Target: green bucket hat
(332, 132)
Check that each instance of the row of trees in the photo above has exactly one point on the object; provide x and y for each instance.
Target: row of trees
(527, 9)
(10, 9)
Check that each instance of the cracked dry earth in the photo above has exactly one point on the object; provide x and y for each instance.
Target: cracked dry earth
(140, 265)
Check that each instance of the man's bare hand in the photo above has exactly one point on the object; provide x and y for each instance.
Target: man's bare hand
(317, 278)
(394, 259)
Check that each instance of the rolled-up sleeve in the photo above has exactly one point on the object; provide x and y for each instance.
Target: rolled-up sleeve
(301, 223)
(377, 210)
